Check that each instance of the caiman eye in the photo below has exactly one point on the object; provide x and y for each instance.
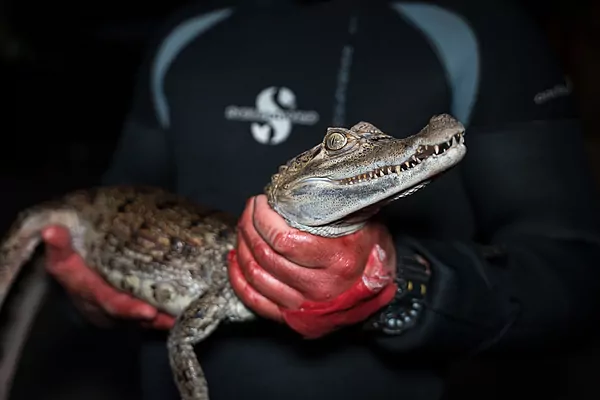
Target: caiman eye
(335, 141)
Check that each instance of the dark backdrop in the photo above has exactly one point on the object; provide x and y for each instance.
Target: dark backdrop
(65, 91)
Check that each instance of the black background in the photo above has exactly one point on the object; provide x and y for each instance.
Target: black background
(64, 103)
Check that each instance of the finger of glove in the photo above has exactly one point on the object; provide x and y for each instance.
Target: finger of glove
(303, 248)
(82, 282)
(264, 283)
(314, 283)
(58, 246)
(248, 295)
(70, 270)
(313, 324)
(122, 305)
(349, 299)
(381, 267)
(294, 281)
(163, 322)
(378, 275)
(365, 309)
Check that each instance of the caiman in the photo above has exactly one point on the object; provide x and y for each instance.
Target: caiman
(172, 253)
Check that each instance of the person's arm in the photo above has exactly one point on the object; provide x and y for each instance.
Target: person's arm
(531, 275)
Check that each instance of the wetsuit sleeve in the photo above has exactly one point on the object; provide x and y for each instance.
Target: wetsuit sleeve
(530, 276)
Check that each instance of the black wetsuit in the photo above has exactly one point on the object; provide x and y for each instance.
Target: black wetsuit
(232, 89)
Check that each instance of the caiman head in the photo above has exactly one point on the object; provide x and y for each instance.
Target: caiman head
(335, 187)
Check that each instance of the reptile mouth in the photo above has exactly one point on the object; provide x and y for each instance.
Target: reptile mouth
(422, 153)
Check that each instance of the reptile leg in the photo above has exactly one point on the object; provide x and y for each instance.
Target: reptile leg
(195, 324)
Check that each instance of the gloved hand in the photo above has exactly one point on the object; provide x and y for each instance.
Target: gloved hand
(314, 284)
(94, 297)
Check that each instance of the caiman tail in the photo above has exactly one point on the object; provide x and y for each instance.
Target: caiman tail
(24, 237)
(19, 314)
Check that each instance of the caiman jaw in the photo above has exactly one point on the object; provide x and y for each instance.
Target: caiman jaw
(423, 153)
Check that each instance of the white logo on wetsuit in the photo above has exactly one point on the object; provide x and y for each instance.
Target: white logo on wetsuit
(559, 90)
(274, 115)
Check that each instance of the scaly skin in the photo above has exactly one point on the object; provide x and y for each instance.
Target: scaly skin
(172, 253)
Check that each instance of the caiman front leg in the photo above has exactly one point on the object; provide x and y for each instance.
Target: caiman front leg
(194, 325)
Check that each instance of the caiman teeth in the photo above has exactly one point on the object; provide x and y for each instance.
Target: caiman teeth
(422, 153)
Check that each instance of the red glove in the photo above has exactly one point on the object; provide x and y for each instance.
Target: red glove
(97, 300)
(314, 284)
